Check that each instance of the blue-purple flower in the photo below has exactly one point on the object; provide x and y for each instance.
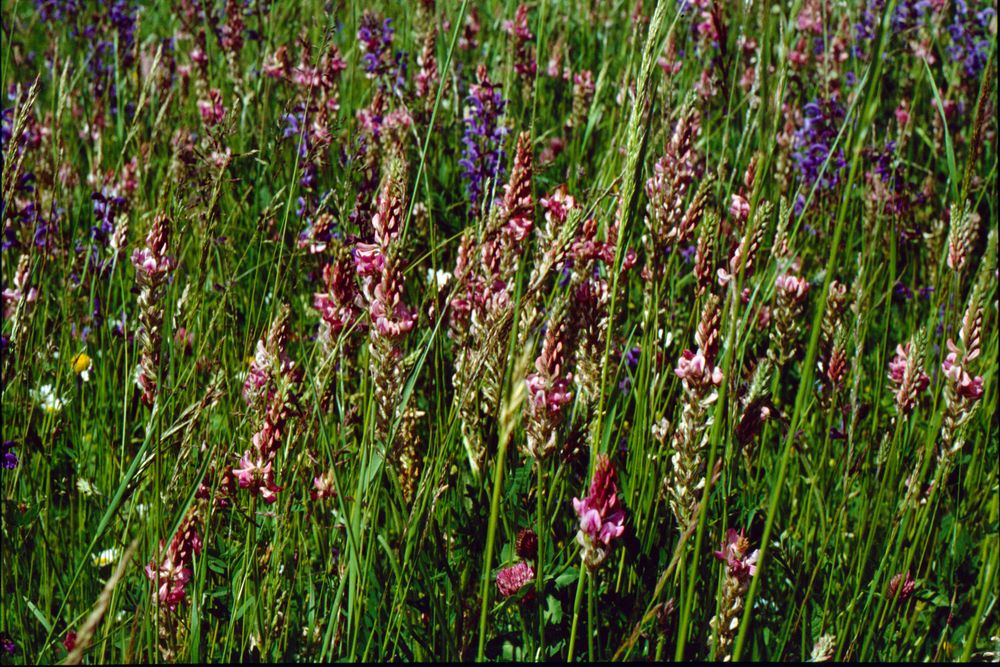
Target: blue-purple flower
(9, 461)
(483, 154)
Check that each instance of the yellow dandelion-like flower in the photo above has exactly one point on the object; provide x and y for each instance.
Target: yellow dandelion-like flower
(81, 364)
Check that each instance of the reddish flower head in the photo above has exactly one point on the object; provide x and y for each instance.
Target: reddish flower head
(511, 579)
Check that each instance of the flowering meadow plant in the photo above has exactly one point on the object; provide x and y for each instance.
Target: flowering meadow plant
(551, 330)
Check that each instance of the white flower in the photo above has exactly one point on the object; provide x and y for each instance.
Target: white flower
(85, 487)
(47, 400)
(106, 557)
(439, 277)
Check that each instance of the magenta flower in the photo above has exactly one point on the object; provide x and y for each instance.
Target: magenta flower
(256, 474)
(793, 288)
(695, 369)
(739, 208)
(323, 486)
(255, 385)
(368, 258)
(601, 517)
(903, 584)
(742, 565)
(897, 367)
(212, 110)
(173, 580)
(967, 386)
(558, 205)
(512, 579)
(906, 374)
(545, 395)
(174, 570)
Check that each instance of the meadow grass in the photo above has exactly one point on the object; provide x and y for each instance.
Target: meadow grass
(470, 330)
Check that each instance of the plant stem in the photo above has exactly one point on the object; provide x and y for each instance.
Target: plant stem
(576, 611)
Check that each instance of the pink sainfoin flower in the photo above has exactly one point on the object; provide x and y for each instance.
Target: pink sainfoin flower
(152, 268)
(906, 373)
(323, 486)
(381, 279)
(736, 554)
(524, 56)
(548, 392)
(270, 389)
(739, 208)
(557, 206)
(602, 518)
(255, 385)
(212, 110)
(790, 287)
(390, 318)
(966, 386)
(741, 566)
(255, 474)
(173, 572)
(12, 296)
(694, 369)
(513, 578)
(340, 305)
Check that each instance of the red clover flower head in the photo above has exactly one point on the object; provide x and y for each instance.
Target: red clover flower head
(513, 578)
(903, 584)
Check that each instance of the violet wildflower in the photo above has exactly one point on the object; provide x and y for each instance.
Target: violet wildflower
(813, 147)
(7, 644)
(632, 357)
(602, 519)
(10, 460)
(375, 37)
(971, 36)
(483, 154)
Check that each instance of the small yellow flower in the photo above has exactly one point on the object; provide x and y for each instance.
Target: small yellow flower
(106, 557)
(81, 364)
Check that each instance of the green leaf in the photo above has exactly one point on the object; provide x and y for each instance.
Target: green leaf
(568, 577)
(553, 613)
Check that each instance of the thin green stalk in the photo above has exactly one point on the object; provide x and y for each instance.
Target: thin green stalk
(576, 610)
